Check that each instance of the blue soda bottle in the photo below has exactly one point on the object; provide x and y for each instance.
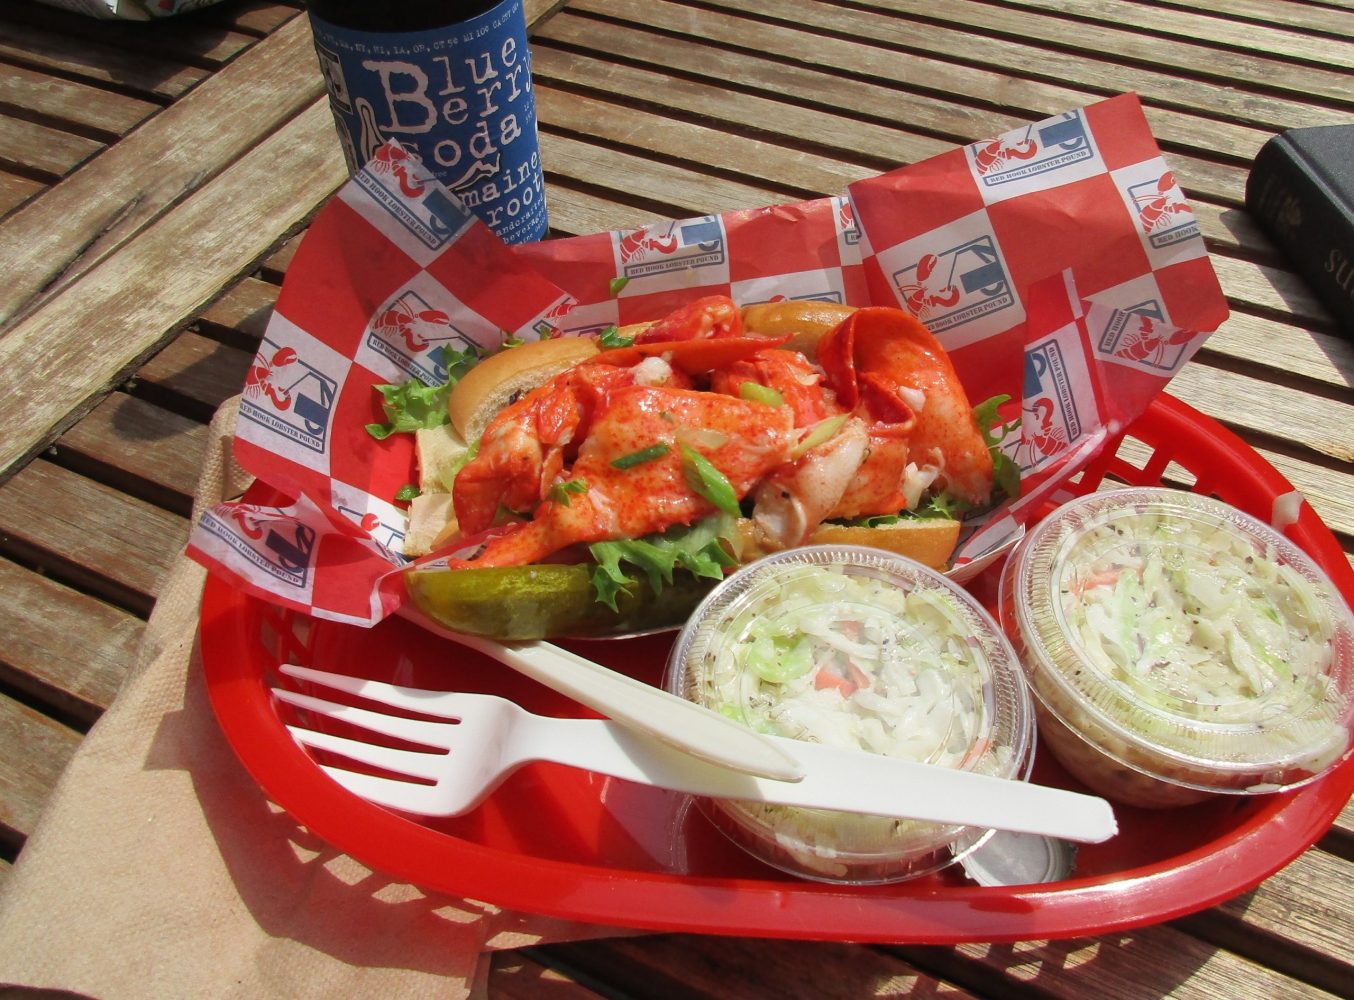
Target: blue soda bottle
(452, 82)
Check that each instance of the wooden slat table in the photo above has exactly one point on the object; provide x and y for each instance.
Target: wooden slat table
(154, 178)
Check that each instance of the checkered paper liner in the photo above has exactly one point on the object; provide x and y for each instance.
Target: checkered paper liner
(1058, 264)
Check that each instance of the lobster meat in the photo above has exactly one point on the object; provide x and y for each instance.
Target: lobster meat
(602, 451)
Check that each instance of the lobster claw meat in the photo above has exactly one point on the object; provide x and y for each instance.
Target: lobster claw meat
(886, 363)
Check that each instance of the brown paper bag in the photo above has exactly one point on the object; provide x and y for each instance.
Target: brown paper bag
(159, 869)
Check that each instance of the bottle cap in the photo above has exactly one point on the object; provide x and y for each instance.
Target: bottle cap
(1020, 859)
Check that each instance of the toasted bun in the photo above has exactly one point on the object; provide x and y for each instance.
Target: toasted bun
(807, 321)
(504, 377)
(930, 541)
(432, 523)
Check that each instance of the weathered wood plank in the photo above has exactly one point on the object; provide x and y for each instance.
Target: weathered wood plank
(1018, 59)
(1233, 231)
(195, 374)
(260, 17)
(1330, 492)
(99, 112)
(1277, 290)
(97, 210)
(848, 119)
(141, 449)
(663, 189)
(514, 976)
(106, 65)
(1307, 16)
(968, 66)
(1109, 44)
(1199, 24)
(275, 266)
(37, 751)
(63, 648)
(121, 311)
(16, 190)
(241, 315)
(184, 39)
(578, 212)
(1155, 961)
(1255, 406)
(760, 113)
(1293, 922)
(804, 174)
(88, 534)
(1326, 359)
(41, 150)
(733, 968)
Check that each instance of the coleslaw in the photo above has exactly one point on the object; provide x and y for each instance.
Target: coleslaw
(1178, 648)
(857, 649)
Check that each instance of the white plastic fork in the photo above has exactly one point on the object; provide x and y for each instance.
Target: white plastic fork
(489, 737)
(636, 705)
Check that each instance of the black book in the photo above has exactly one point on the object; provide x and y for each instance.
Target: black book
(1301, 191)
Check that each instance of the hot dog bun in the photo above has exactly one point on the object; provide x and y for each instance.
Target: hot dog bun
(504, 377)
(807, 321)
(928, 540)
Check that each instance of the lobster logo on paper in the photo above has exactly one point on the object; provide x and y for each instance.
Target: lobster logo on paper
(1141, 337)
(380, 520)
(955, 286)
(415, 337)
(389, 537)
(267, 539)
(847, 229)
(287, 396)
(553, 322)
(398, 183)
(1037, 149)
(1050, 422)
(1163, 214)
(800, 286)
(668, 247)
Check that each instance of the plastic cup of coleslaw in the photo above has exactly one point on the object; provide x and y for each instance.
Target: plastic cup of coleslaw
(1179, 648)
(862, 649)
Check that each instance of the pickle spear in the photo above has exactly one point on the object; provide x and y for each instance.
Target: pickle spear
(547, 601)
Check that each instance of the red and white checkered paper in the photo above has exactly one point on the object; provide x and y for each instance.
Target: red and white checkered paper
(1058, 264)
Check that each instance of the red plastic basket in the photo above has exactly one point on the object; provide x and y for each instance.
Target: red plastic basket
(572, 844)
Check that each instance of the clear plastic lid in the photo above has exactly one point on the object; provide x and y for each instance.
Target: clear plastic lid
(862, 649)
(1186, 639)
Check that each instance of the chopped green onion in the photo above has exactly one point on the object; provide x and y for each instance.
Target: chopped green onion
(617, 284)
(708, 481)
(821, 431)
(560, 491)
(755, 392)
(640, 457)
(611, 337)
(407, 492)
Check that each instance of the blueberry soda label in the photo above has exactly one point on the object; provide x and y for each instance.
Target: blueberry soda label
(459, 96)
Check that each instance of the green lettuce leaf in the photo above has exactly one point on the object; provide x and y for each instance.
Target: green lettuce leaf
(1005, 472)
(696, 549)
(412, 405)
